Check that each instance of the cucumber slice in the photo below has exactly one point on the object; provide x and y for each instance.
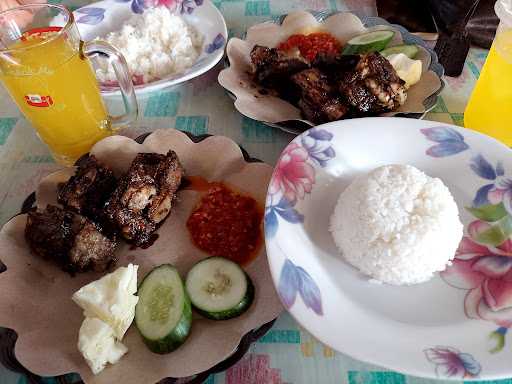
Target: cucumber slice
(369, 42)
(409, 50)
(163, 314)
(219, 288)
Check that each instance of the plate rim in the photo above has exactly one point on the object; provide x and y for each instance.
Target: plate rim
(298, 313)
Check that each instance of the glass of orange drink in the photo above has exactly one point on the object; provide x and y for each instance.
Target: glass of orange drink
(45, 67)
(489, 109)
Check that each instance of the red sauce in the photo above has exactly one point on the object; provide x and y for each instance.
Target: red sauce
(312, 44)
(226, 223)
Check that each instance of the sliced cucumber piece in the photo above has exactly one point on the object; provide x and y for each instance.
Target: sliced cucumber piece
(369, 42)
(409, 50)
(219, 288)
(163, 314)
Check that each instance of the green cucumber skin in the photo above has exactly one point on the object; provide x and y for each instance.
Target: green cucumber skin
(235, 311)
(179, 333)
(356, 49)
(176, 337)
(410, 50)
(376, 46)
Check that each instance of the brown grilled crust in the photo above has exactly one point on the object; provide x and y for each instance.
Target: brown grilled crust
(87, 191)
(74, 242)
(145, 195)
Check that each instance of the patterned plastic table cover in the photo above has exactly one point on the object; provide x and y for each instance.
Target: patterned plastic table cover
(287, 353)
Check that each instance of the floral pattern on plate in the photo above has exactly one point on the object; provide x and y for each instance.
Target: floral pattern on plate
(217, 43)
(453, 364)
(483, 261)
(91, 15)
(449, 141)
(295, 280)
(293, 179)
(178, 6)
(294, 176)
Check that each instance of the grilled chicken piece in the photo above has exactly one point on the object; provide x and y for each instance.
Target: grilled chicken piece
(87, 191)
(145, 195)
(373, 86)
(271, 65)
(318, 103)
(73, 241)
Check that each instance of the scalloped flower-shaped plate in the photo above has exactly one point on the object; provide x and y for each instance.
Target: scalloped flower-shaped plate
(36, 294)
(262, 106)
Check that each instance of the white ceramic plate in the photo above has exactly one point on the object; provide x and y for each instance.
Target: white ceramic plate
(452, 327)
(100, 18)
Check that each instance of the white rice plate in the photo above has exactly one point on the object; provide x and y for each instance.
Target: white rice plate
(397, 225)
(155, 44)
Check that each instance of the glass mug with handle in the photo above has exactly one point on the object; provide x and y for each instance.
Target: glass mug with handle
(489, 109)
(45, 67)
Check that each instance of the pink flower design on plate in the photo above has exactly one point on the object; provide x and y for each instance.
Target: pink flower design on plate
(293, 176)
(485, 271)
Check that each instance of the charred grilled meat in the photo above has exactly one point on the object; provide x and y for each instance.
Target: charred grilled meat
(72, 240)
(271, 66)
(335, 66)
(87, 191)
(333, 86)
(145, 195)
(373, 86)
(319, 101)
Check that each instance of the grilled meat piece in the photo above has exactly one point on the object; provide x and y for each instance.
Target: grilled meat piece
(87, 191)
(335, 66)
(92, 249)
(145, 195)
(271, 65)
(373, 86)
(319, 102)
(73, 241)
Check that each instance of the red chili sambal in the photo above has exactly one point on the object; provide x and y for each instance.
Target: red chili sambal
(226, 223)
(312, 44)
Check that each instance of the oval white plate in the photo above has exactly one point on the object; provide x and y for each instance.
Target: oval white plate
(454, 326)
(100, 18)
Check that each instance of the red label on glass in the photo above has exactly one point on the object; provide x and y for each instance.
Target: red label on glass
(39, 101)
(39, 32)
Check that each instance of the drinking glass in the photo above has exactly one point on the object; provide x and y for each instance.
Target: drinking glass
(45, 67)
(489, 109)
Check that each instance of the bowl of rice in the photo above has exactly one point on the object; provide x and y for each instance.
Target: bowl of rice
(165, 43)
(390, 240)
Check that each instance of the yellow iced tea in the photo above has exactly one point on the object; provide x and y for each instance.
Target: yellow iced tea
(490, 106)
(56, 89)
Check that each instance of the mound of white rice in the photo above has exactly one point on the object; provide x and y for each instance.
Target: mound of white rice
(397, 225)
(155, 44)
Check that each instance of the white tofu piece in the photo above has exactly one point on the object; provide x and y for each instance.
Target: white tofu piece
(111, 299)
(97, 344)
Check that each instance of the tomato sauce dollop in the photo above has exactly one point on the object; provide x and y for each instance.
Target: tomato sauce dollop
(226, 224)
(312, 44)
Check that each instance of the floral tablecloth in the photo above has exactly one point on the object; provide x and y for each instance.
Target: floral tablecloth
(287, 353)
